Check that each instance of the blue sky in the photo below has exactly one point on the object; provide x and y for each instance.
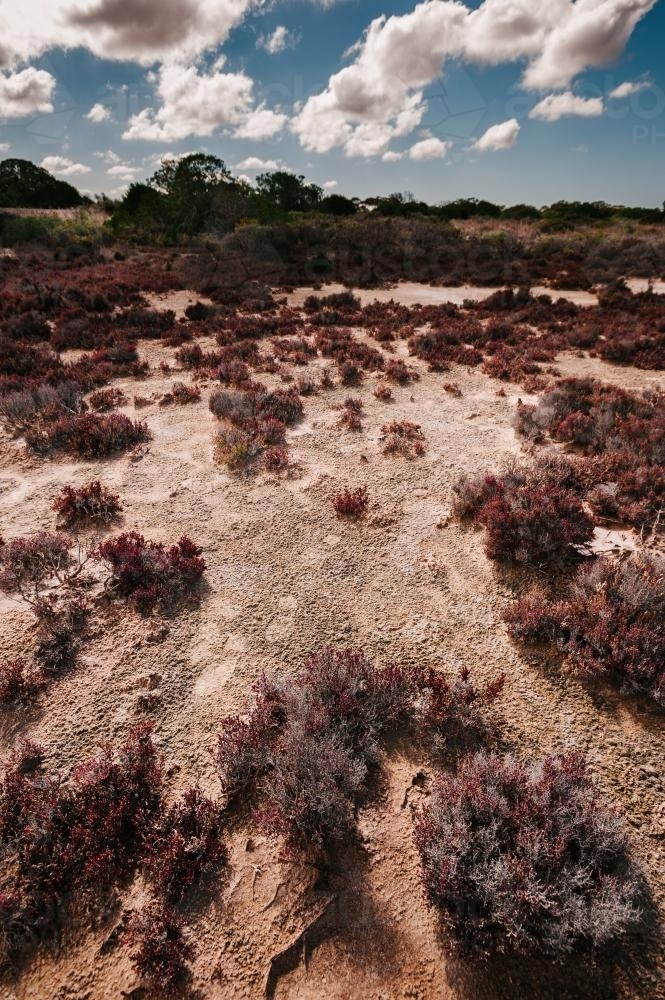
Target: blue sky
(437, 98)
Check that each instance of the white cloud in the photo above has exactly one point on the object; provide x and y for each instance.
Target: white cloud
(429, 149)
(98, 113)
(192, 104)
(124, 171)
(329, 185)
(379, 96)
(557, 106)
(587, 33)
(280, 40)
(64, 167)
(629, 88)
(26, 93)
(392, 157)
(501, 136)
(142, 31)
(256, 163)
(4, 146)
(261, 123)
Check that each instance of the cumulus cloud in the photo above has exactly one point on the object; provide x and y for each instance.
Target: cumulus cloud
(429, 149)
(329, 185)
(124, 171)
(391, 156)
(501, 136)
(192, 103)
(588, 33)
(256, 163)
(64, 167)
(557, 106)
(98, 113)
(629, 88)
(380, 95)
(278, 41)
(28, 92)
(142, 31)
(261, 123)
(4, 146)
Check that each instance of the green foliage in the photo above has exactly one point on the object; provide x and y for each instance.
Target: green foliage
(25, 185)
(290, 192)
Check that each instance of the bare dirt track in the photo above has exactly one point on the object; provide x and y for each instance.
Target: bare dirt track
(285, 576)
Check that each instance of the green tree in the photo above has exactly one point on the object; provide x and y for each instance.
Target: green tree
(193, 189)
(290, 192)
(25, 185)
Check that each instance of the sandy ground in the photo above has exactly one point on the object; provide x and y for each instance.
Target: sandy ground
(285, 576)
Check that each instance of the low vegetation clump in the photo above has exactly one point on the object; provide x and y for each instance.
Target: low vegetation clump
(84, 504)
(88, 435)
(67, 842)
(147, 573)
(20, 682)
(38, 564)
(186, 841)
(612, 623)
(182, 394)
(304, 753)
(351, 503)
(161, 952)
(254, 419)
(525, 859)
(402, 437)
(616, 441)
(105, 400)
(351, 414)
(532, 516)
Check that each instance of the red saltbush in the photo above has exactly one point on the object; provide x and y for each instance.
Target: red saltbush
(532, 516)
(185, 842)
(351, 503)
(19, 682)
(29, 565)
(525, 859)
(64, 841)
(402, 437)
(612, 623)
(149, 574)
(89, 435)
(305, 750)
(161, 951)
(105, 400)
(92, 502)
(181, 394)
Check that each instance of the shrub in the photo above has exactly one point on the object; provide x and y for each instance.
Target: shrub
(89, 435)
(404, 438)
(525, 859)
(161, 951)
(532, 516)
(181, 394)
(19, 682)
(397, 371)
(106, 399)
(65, 840)
(235, 447)
(350, 416)
(28, 565)
(383, 392)
(92, 502)
(351, 503)
(186, 841)
(305, 749)
(613, 623)
(147, 573)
